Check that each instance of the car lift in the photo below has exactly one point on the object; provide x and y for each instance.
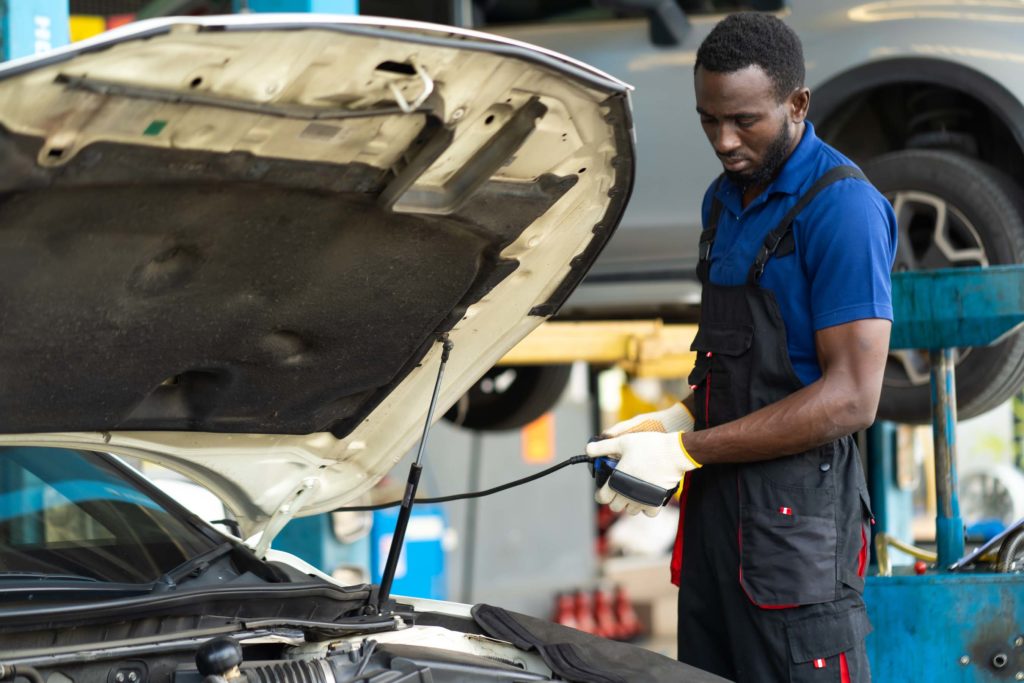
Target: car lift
(960, 621)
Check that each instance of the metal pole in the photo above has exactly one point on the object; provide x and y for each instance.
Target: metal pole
(462, 13)
(472, 510)
(1018, 429)
(949, 528)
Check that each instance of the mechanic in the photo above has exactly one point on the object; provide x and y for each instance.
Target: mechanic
(794, 330)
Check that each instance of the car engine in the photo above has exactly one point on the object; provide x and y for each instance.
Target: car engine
(223, 660)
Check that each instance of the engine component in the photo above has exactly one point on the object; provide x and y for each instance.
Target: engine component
(294, 671)
(219, 659)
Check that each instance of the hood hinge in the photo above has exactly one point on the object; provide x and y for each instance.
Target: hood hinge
(294, 502)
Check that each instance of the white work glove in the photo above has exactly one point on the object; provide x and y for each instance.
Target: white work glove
(657, 458)
(675, 418)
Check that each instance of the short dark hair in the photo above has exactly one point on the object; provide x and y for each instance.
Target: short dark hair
(752, 38)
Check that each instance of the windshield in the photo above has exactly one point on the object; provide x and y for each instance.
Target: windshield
(77, 515)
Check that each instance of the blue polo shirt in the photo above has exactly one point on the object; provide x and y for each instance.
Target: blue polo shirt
(845, 245)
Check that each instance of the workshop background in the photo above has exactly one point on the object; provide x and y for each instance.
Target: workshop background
(622, 346)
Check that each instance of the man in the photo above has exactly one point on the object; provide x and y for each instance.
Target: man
(795, 320)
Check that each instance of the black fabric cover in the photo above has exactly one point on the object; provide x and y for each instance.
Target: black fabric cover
(582, 658)
(147, 288)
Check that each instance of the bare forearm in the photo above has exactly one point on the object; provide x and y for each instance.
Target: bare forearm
(842, 401)
(807, 418)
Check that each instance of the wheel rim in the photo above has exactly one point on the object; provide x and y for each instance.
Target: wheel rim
(932, 234)
(497, 380)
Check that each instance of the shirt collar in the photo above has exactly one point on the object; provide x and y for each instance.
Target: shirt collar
(794, 173)
(790, 180)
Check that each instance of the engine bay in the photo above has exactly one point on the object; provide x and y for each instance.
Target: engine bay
(277, 657)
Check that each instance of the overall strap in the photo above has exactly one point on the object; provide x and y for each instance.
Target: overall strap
(707, 236)
(785, 226)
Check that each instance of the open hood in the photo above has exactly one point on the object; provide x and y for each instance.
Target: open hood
(230, 245)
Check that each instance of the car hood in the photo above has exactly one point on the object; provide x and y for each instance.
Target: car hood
(230, 245)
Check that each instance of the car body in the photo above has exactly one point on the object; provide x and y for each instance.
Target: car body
(237, 247)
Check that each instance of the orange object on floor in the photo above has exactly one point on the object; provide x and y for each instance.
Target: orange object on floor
(565, 613)
(629, 624)
(604, 617)
(584, 613)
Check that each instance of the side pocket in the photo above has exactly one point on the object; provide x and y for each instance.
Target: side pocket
(854, 562)
(719, 379)
(816, 645)
(788, 542)
(864, 556)
(714, 397)
(698, 384)
(787, 558)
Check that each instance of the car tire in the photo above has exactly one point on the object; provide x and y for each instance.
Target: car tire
(510, 397)
(983, 226)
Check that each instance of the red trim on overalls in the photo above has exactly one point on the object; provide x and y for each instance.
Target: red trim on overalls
(844, 669)
(707, 399)
(862, 557)
(676, 567)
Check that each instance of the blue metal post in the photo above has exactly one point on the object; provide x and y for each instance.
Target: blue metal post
(318, 6)
(1018, 429)
(949, 528)
(30, 27)
(892, 505)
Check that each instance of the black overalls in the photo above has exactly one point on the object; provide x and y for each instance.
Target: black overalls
(771, 555)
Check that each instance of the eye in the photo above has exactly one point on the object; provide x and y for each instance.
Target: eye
(745, 121)
(707, 120)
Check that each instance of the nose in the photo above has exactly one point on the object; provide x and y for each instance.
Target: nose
(726, 141)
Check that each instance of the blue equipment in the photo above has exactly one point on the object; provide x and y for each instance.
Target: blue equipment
(945, 626)
(423, 550)
(318, 6)
(29, 27)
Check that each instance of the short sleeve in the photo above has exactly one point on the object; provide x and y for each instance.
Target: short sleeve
(847, 242)
(705, 205)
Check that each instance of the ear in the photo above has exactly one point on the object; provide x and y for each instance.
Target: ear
(798, 104)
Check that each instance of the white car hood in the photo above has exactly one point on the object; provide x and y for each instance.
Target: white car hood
(229, 245)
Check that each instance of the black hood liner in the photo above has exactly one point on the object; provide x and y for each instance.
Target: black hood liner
(152, 289)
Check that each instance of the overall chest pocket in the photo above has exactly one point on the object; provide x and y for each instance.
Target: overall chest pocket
(787, 542)
(721, 374)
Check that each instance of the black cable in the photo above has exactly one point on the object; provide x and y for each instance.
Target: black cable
(574, 460)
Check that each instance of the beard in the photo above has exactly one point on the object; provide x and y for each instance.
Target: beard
(774, 158)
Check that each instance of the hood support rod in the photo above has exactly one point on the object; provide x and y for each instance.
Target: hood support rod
(413, 482)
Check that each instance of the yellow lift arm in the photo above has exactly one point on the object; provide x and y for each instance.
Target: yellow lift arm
(643, 348)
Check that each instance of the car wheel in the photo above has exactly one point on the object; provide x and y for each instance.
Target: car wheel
(509, 397)
(991, 492)
(952, 211)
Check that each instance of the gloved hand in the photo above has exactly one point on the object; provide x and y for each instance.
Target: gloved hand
(675, 418)
(657, 458)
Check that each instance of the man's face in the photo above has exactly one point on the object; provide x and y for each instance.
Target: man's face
(750, 130)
